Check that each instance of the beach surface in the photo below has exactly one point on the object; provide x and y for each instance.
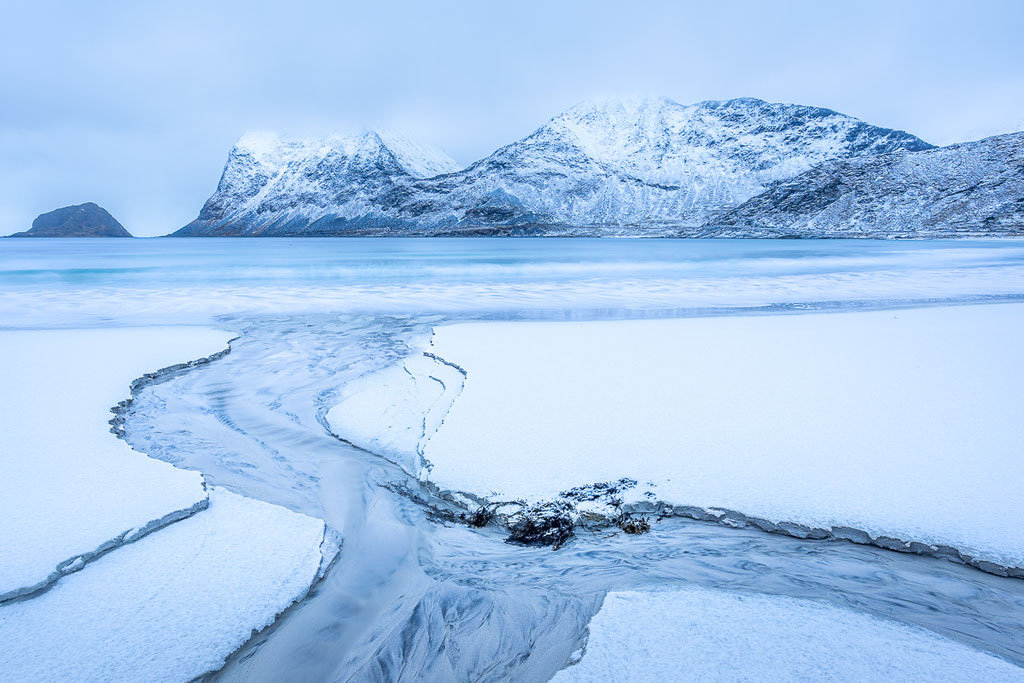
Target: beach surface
(117, 566)
(900, 423)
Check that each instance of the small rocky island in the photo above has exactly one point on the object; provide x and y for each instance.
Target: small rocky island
(82, 220)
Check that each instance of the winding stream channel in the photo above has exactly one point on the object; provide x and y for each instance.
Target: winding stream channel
(415, 597)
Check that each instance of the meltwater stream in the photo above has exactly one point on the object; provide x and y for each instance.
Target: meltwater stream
(413, 597)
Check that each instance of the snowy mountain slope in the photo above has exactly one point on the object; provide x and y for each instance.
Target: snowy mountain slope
(969, 188)
(649, 165)
(623, 163)
(272, 180)
(416, 159)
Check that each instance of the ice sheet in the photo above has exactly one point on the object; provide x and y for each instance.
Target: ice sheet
(708, 635)
(904, 423)
(394, 412)
(68, 487)
(171, 606)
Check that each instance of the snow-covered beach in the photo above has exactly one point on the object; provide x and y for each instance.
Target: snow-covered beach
(816, 387)
(709, 635)
(511, 342)
(903, 423)
(116, 565)
(70, 488)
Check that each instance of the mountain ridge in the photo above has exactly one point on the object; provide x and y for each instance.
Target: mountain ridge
(647, 166)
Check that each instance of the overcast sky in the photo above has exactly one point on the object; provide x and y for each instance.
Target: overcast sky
(135, 105)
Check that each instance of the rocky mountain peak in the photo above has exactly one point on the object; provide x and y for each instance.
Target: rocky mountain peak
(80, 220)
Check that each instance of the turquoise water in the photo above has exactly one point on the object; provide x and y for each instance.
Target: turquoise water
(69, 282)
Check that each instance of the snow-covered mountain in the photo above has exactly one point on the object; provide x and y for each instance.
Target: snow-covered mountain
(652, 163)
(274, 185)
(649, 166)
(974, 188)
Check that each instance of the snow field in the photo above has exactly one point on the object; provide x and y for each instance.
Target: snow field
(395, 411)
(901, 423)
(69, 487)
(703, 634)
(171, 606)
(163, 606)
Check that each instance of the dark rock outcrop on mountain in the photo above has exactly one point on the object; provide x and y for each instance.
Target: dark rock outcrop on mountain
(969, 189)
(82, 220)
(645, 167)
